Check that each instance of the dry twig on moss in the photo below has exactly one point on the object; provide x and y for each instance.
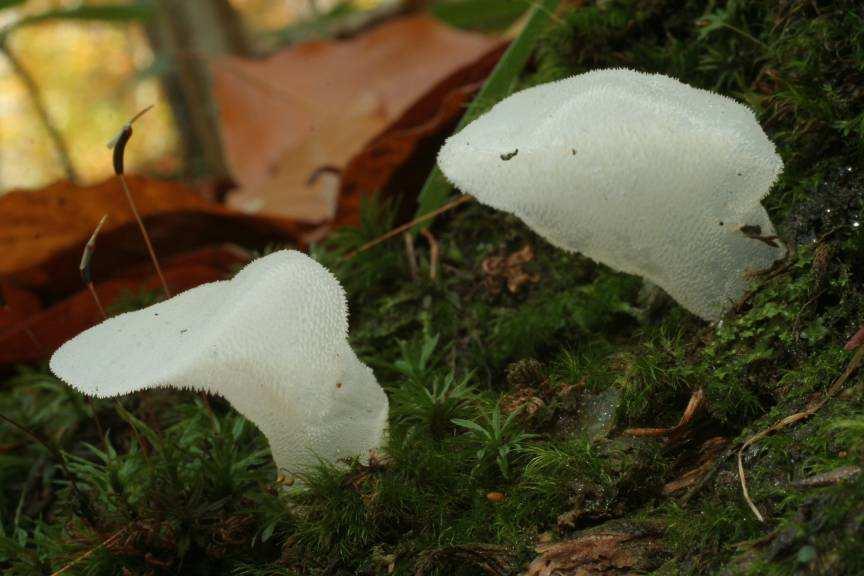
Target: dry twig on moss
(811, 409)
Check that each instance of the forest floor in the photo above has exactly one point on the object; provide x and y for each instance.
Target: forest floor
(551, 365)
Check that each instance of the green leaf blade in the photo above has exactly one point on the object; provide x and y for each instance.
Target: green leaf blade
(436, 190)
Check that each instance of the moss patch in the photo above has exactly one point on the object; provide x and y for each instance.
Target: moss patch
(175, 487)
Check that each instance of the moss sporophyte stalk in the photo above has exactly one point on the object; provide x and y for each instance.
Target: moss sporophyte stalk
(505, 450)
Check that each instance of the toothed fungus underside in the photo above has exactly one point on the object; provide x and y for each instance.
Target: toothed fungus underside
(638, 171)
(272, 341)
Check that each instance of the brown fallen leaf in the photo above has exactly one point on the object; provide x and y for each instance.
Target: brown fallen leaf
(509, 269)
(604, 552)
(526, 401)
(60, 322)
(16, 304)
(44, 231)
(318, 103)
(397, 161)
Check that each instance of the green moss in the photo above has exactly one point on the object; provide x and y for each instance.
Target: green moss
(195, 491)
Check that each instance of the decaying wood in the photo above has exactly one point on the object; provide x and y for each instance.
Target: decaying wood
(829, 478)
(602, 552)
(709, 453)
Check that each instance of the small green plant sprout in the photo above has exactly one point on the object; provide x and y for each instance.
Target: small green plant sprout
(497, 439)
(272, 341)
(638, 171)
(416, 361)
(431, 408)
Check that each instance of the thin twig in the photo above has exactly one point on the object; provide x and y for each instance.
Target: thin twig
(811, 409)
(434, 253)
(88, 553)
(408, 225)
(411, 254)
(38, 102)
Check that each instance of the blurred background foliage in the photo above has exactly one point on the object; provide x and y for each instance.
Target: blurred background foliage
(72, 72)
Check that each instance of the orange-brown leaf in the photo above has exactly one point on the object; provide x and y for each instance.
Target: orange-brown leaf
(60, 322)
(318, 103)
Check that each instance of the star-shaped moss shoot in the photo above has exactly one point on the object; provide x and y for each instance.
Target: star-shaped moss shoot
(272, 341)
(638, 171)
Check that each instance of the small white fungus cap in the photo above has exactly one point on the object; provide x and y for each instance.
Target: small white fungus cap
(272, 341)
(638, 171)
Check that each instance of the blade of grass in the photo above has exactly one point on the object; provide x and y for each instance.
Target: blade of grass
(436, 190)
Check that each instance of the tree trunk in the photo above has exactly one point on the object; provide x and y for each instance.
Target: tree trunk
(188, 33)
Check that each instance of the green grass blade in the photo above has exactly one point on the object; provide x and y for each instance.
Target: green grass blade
(436, 190)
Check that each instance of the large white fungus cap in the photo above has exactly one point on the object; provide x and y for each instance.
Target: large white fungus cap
(272, 341)
(638, 171)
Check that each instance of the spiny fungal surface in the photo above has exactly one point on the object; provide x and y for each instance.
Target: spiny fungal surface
(272, 341)
(638, 171)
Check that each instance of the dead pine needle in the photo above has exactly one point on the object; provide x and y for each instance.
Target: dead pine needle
(408, 225)
(118, 143)
(811, 409)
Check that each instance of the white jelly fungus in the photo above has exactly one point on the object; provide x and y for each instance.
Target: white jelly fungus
(272, 341)
(638, 171)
